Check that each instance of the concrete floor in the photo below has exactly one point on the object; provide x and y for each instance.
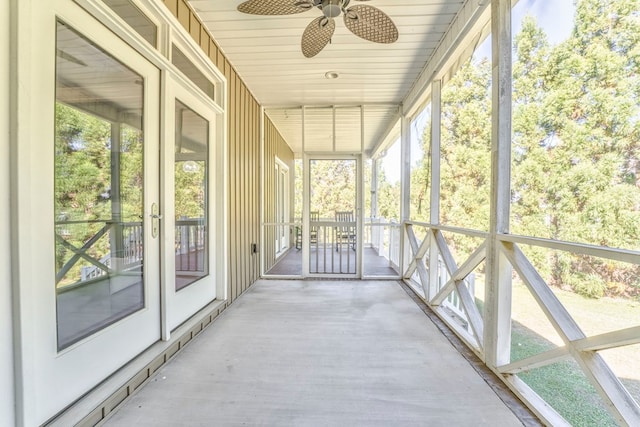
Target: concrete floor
(318, 353)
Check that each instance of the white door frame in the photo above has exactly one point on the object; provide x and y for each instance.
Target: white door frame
(178, 306)
(359, 212)
(282, 207)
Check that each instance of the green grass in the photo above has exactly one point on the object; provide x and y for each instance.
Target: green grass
(563, 385)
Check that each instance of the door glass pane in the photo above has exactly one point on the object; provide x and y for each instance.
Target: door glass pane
(191, 170)
(98, 188)
(133, 16)
(189, 69)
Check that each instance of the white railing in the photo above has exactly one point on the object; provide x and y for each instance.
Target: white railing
(439, 279)
(332, 247)
(384, 238)
(130, 258)
(190, 239)
(330, 239)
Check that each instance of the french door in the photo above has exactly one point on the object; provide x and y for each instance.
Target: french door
(281, 180)
(189, 164)
(90, 244)
(332, 242)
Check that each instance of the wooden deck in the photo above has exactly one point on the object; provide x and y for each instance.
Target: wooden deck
(318, 353)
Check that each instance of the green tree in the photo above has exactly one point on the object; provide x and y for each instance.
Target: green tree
(576, 144)
(466, 152)
(388, 198)
(83, 198)
(333, 186)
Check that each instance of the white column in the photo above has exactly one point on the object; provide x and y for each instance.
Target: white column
(405, 186)
(263, 250)
(373, 214)
(374, 188)
(434, 202)
(305, 202)
(116, 234)
(497, 331)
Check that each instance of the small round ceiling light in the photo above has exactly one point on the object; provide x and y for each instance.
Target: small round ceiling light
(331, 75)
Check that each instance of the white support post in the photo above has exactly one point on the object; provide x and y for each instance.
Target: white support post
(116, 235)
(262, 197)
(360, 205)
(497, 331)
(374, 188)
(373, 214)
(305, 202)
(434, 201)
(405, 184)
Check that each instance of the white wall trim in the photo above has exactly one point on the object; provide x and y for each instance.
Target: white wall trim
(7, 380)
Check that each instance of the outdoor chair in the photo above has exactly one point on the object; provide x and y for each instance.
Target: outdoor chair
(298, 237)
(313, 230)
(345, 233)
(313, 233)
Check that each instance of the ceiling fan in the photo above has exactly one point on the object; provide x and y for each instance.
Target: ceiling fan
(367, 22)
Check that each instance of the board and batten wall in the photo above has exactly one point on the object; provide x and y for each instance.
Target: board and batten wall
(243, 133)
(275, 146)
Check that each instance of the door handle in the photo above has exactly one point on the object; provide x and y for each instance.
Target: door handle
(155, 220)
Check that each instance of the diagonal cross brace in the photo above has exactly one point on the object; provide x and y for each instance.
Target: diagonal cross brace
(82, 253)
(457, 275)
(460, 273)
(615, 395)
(418, 260)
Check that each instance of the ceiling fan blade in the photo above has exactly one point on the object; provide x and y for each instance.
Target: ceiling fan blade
(275, 7)
(317, 35)
(370, 23)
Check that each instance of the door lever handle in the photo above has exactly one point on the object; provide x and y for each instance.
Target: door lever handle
(155, 220)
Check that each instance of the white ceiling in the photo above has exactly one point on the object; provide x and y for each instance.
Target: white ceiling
(265, 51)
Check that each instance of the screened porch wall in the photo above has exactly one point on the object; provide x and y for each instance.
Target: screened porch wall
(274, 146)
(243, 136)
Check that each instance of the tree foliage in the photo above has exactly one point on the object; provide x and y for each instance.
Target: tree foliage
(576, 144)
(333, 187)
(83, 198)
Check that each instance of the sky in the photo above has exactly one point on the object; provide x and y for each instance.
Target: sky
(556, 19)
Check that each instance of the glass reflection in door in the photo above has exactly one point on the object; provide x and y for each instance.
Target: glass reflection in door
(191, 171)
(98, 188)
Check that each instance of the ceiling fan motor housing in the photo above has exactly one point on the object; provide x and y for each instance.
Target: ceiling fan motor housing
(331, 8)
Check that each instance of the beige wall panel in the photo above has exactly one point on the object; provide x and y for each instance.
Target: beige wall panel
(213, 52)
(256, 186)
(194, 27)
(275, 145)
(242, 194)
(172, 5)
(233, 180)
(246, 212)
(184, 14)
(221, 59)
(240, 187)
(205, 40)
